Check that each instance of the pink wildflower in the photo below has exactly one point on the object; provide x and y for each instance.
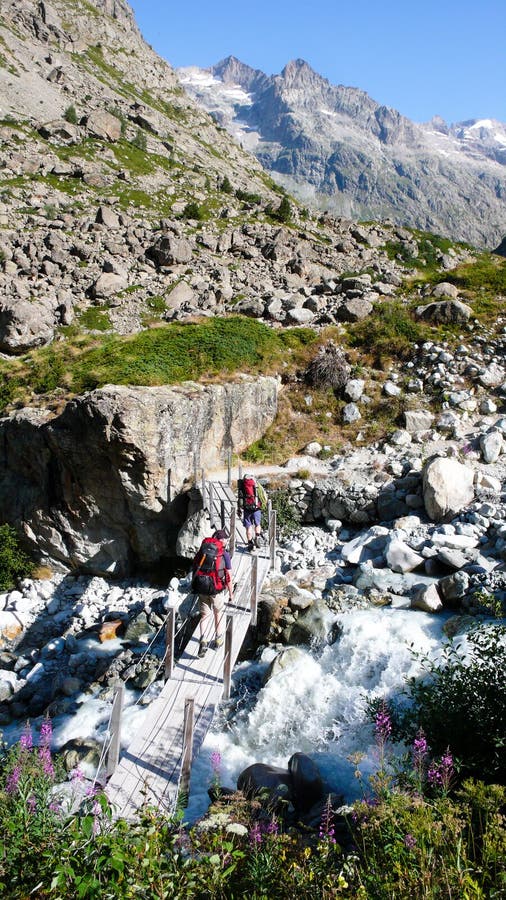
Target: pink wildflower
(255, 835)
(46, 732)
(383, 723)
(11, 785)
(26, 739)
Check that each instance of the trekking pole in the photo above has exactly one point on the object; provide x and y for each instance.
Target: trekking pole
(231, 542)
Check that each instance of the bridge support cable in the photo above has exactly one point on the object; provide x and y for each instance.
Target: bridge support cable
(115, 729)
(187, 756)
(170, 637)
(227, 657)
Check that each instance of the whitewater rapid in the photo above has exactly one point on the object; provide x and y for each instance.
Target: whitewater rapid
(318, 704)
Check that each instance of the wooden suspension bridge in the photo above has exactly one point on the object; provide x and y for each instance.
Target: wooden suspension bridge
(155, 767)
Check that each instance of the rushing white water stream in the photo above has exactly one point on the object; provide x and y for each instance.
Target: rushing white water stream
(317, 705)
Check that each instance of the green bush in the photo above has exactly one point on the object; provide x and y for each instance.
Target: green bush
(14, 563)
(192, 210)
(70, 115)
(140, 140)
(226, 186)
(461, 703)
(389, 332)
(288, 517)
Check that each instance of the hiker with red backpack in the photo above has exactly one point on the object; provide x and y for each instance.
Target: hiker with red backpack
(251, 500)
(211, 576)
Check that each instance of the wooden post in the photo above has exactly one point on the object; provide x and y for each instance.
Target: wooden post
(227, 657)
(229, 467)
(272, 538)
(222, 514)
(170, 630)
(113, 752)
(211, 503)
(254, 589)
(240, 472)
(231, 542)
(203, 488)
(187, 755)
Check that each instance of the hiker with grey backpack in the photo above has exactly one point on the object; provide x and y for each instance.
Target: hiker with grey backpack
(251, 500)
(211, 578)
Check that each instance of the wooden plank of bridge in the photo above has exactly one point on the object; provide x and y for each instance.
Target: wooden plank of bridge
(149, 770)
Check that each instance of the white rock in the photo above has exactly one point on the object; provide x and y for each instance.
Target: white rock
(426, 598)
(355, 551)
(400, 438)
(400, 557)
(354, 389)
(448, 486)
(455, 541)
(491, 445)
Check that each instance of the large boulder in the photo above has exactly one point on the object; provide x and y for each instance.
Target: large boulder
(99, 486)
(307, 781)
(259, 778)
(442, 311)
(448, 487)
(25, 324)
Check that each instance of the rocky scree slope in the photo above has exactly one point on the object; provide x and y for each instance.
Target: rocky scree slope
(123, 204)
(337, 148)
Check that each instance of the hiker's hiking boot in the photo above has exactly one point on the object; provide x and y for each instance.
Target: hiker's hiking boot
(218, 642)
(251, 545)
(203, 647)
(258, 541)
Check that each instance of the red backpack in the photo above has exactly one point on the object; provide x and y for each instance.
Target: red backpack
(209, 572)
(249, 494)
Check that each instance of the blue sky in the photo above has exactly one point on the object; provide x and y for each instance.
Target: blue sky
(426, 58)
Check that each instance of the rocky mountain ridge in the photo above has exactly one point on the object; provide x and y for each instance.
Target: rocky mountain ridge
(335, 147)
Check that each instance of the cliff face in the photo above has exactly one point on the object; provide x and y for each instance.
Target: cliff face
(101, 487)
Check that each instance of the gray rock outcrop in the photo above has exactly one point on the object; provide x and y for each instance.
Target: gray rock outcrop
(98, 486)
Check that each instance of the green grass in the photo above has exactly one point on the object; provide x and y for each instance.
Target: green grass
(95, 319)
(163, 355)
(388, 332)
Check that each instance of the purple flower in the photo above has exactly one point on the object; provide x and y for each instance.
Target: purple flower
(272, 827)
(409, 841)
(26, 739)
(47, 763)
(31, 804)
(383, 723)
(327, 830)
(420, 746)
(11, 784)
(46, 732)
(255, 835)
(77, 774)
(54, 807)
(216, 761)
(440, 773)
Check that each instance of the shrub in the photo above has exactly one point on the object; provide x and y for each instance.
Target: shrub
(288, 517)
(461, 703)
(284, 211)
(70, 115)
(390, 331)
(14, 563)
(140, 140)
(192, 210)
(328, 368)
(226, 186)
